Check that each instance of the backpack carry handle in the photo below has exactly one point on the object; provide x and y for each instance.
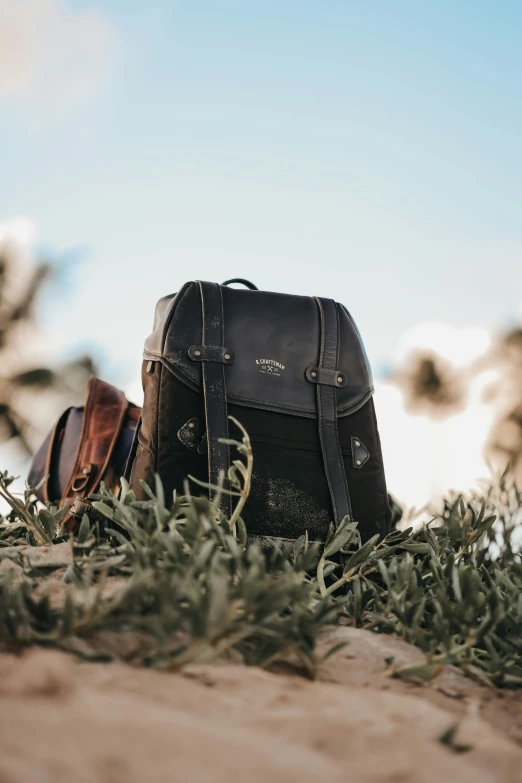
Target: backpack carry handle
(244, 282)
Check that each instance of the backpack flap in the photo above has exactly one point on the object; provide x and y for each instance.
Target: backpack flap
(273, 343)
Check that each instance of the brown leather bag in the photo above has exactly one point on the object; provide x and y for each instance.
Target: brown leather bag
(87, 445)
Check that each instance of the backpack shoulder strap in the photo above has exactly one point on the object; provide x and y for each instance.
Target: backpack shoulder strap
(213, 356)
(327, 410)
(103, 417)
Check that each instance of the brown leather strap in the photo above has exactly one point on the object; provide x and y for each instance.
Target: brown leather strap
(105, 411)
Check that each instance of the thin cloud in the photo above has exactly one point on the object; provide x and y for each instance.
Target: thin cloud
(52, 54)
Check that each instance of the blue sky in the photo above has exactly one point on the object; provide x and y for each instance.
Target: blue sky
(366, 151)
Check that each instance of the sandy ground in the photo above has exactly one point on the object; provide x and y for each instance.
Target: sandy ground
(65, 721)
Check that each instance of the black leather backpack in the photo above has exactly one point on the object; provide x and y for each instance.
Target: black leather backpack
(294, 372)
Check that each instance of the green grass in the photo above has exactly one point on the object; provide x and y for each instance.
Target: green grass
(162, 585)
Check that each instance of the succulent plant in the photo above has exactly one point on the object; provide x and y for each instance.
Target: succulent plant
(175, 581)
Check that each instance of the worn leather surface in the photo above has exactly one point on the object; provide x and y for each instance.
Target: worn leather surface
(87, 445)
(274, 339)
(103, 417)
(327, 411)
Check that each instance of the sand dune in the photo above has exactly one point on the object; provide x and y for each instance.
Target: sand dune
(64, 721)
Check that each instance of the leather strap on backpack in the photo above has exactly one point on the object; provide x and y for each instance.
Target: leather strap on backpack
(327, 410)
(103, 417)
(214, 387)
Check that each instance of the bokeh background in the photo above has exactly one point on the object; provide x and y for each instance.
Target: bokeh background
(364, 151)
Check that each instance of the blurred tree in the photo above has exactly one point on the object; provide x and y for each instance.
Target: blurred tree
(505, 441)
(33, 389)
(431, 385)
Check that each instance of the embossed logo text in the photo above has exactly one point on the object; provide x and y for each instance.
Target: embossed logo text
(270, 366)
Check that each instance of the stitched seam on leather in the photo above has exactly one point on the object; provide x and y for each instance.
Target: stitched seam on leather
(158, 403)
(321, 339)
(337, 347)
(215, 449)
(320, 418)
(83, 435)
(272, 404)
(357, 405)
(337, 465)
(227, 501)
(177, 299)
(363, 397)
(359, 401)
(263, 403)
(203, 378)
(320, 421)
(222, 328)
(339, 450)
(325, 450)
